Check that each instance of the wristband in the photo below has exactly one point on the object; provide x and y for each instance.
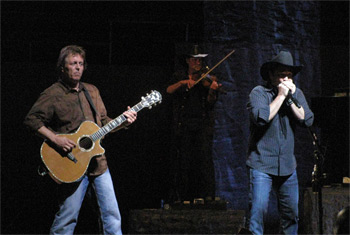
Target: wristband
(289, 102)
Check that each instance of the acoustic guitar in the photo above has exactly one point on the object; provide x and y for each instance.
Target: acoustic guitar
(69, 167)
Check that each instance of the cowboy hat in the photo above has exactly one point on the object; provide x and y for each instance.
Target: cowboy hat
(196, 52)
(283, 58)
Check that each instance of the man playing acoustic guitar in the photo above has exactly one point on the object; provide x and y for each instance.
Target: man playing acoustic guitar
(61, 109)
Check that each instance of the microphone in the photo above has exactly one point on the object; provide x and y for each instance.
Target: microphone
(291, 100)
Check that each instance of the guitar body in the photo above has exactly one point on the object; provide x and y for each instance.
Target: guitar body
(64, 169)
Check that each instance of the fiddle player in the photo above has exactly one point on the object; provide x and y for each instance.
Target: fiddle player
(193, 168)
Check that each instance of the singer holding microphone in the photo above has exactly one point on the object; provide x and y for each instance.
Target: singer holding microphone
(275, 109)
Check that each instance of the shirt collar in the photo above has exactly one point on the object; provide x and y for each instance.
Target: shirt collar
(68, 89)
(269, 88)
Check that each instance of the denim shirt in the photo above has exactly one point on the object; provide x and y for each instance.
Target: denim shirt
(270, 150)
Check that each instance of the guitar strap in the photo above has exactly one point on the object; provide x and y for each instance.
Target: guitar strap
(88, 97)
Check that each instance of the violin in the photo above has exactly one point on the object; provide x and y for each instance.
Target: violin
(208, 79)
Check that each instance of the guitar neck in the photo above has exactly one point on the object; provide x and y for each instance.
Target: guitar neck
(114, 123)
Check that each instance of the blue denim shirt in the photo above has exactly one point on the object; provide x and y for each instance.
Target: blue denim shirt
(270, 151)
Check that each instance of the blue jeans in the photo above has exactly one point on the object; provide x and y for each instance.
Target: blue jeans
(67, 216)
(287, 191)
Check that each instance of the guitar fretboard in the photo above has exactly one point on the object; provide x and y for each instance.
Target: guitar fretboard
(114, 124)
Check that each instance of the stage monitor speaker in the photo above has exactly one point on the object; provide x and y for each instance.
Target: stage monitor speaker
(332, 118)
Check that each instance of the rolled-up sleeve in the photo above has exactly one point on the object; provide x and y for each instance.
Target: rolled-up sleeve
(258, 107)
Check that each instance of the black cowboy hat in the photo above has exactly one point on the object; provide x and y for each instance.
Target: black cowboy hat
(196, 52)
(283, 58)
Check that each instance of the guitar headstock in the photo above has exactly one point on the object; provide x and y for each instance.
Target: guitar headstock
(151, 99)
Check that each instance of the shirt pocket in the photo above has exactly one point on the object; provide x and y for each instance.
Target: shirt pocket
(66, 110)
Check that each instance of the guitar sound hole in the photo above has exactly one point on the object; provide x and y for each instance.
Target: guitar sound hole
(85, 143)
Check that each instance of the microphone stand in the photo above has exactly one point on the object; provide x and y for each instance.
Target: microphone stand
(317, 176)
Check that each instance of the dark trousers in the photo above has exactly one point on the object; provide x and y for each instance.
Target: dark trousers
(195, 177)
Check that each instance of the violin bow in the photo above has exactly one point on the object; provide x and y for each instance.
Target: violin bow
(204, 75)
